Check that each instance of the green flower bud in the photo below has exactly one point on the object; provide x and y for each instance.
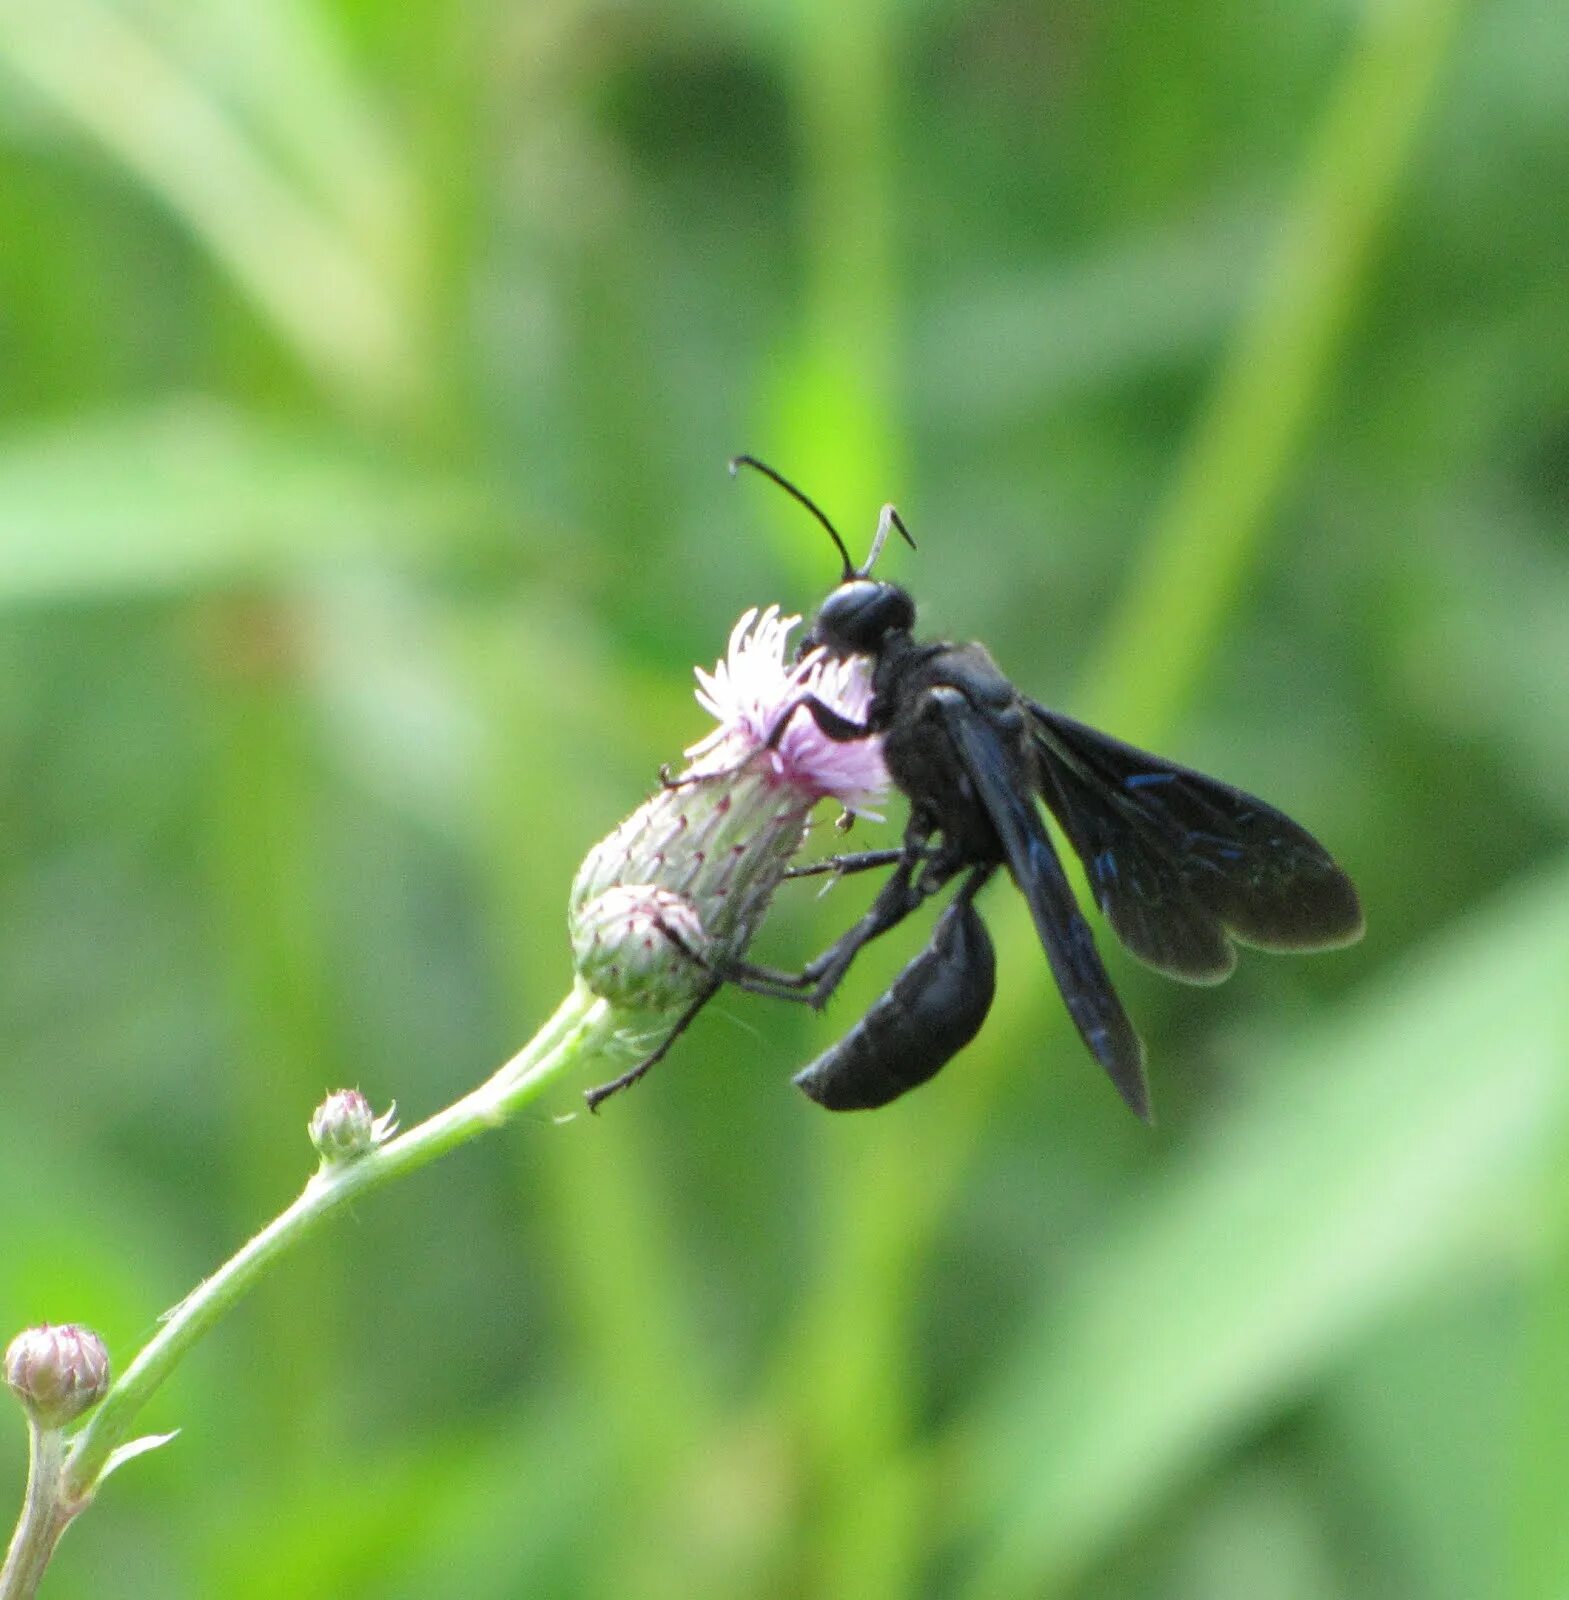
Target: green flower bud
(57, 1372)
(624, 946)
(344, 1128)
(691, 873)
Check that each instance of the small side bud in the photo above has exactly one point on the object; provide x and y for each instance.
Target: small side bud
(344, 1128)
(57, 1372)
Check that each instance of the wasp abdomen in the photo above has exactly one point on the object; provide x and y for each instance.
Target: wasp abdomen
(930, 1012)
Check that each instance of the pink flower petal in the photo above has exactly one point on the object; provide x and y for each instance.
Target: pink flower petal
(754, 686)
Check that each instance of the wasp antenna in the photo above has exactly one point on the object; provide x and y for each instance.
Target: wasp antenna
(737, 462)
(886, 522)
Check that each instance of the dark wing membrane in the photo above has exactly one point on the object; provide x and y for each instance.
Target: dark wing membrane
(1064, 934)
(1181, 863)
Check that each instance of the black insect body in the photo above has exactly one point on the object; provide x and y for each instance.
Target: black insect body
(1181, 865)
(933, 1009)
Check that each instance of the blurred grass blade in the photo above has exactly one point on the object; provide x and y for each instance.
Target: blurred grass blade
(1199, 551)
(621, 1265)
(1536, 1528)
(126, 89)
(830, 401)
(1368, 1159)
(285, 63)
(1145, 301)
(184, 497)
(833, 405)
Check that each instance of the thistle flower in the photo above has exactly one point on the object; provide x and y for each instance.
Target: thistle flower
(750, 690)
(692, 872)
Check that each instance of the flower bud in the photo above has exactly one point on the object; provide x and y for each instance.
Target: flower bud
(57, 1372)
(343, 1127)
(635, 943)
(689, 875)
(681, 887)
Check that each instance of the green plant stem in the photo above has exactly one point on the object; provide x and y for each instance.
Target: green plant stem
(262, 854)
(581, 1026)
(1536, 1544)
(45, 1515)
(1257, 419)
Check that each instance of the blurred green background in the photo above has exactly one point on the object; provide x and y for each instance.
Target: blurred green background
(366, 379)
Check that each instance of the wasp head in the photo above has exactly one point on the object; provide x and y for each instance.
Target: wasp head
(861, 613)
(858, 616)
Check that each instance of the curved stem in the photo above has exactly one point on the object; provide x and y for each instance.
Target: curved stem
(581, 1025)
(45, 1514)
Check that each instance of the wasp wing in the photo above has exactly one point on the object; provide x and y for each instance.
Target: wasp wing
(1064, 934)
(1181, 864)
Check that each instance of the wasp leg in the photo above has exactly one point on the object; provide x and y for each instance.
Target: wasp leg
(904, 892)
(856, 861)
(689, 780)
(596, 1096)
(841, 729)
(830, 723)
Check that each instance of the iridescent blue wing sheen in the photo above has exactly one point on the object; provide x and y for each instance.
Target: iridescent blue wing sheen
(1182, 864)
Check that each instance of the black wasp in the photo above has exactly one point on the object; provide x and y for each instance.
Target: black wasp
(1181, 865)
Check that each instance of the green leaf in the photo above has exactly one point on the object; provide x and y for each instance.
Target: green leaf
(117, 77)
(137, 1447)
(1369, 1157)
